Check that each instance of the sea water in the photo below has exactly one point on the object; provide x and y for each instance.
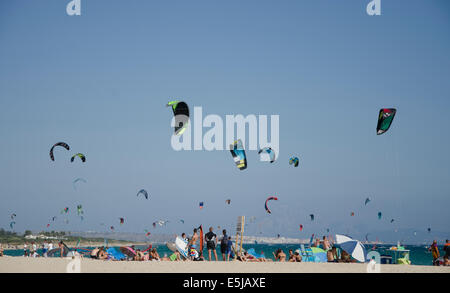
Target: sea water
(419, 255)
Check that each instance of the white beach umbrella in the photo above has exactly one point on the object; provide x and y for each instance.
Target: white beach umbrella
(353, 247)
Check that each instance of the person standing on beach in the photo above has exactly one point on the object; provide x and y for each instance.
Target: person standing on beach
(434, 252)
(230, 249)
(193, 242)
(447, 248)
(224, 244)
(211, 242)
(25, 249)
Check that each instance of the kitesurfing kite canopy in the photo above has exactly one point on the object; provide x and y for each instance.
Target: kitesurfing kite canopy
(143, 192)
(79, 155)
(238, 153)
(385, 118)
(267, 200)
(294, 160)
(61, 144)
(268, 151)
(379, 215)
(181, 114)
(312, 217)
(78, 180)
(367, 201)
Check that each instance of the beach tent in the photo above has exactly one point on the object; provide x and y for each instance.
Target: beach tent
(253, 253)
(353, 247)
(319, 254)
(115, 254)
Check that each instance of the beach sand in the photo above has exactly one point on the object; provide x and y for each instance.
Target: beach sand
(57, 265)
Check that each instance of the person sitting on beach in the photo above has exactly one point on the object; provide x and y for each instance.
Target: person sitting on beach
(173, 257)
(297, 256)
(61, 249)
(332, 255)
(154, 255)
(279, 255)
(139, 255)
(94, 253)
(291, 256)
(1, 250)
(345, 257)
(102, 254)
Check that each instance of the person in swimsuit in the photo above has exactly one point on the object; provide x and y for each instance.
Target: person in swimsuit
(193, 243)
(211, 242)
(94, 253)
(280, 255)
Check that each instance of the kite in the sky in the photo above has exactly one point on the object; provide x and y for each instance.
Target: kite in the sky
(301, 227)
(13, 216)
(122, 220)
(143, 192)
(429, 230)
(61, 144)
(379, 215)
(48, 225)
(267, 200)
(366, 201)
(79, 155)
(201, 205)
(238, 153)
(12, 224)
(53, 218)
(154, 224)
(228, 201)
(352, 214)
(294, 160)
(385, 119)
(182, 221)
(65, 210)
(112, 228)
(268, 151)
(181, 113)
(74, 183)
(80, 210)
(392, 220)
(312, 217)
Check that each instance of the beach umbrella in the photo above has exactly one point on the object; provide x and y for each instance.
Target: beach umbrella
(353, 247)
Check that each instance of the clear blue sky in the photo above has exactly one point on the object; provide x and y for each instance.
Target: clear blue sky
(100, 82)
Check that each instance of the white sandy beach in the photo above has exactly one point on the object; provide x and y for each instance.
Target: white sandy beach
(57, 265)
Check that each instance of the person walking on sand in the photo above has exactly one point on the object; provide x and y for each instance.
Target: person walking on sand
(224, 244)
(434, 252)
(211, 242)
